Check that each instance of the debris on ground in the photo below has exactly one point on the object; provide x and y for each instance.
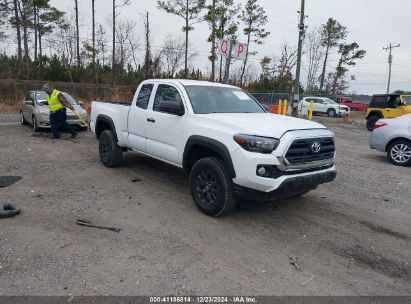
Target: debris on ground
(89, 224)
(307, 281)
(6, 181)
(136, 180)
(10, 210)
(294, 262)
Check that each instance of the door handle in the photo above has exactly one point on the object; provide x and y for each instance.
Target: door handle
(151, 120)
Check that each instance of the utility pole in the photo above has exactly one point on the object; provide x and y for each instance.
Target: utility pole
(389, 48)
(228, 60)
(301, 35)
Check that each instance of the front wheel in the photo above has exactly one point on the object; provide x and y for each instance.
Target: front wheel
(371, 121)
(399, 153)
(211, 187)
(331, 113)
(35, 126)
(22, 119)
(110, 153)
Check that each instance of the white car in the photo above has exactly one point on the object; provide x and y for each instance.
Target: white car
(222, 136)
(322, 105)
(393, 136)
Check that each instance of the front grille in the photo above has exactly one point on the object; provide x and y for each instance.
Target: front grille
(301, 151)
(72, 118)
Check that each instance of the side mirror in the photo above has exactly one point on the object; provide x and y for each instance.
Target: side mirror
(80, 102)
(172, 108)
(29, 102)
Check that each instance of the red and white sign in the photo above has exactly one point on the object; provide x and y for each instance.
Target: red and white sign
(238, 52)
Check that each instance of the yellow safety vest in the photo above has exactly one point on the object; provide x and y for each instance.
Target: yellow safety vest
(54, 102)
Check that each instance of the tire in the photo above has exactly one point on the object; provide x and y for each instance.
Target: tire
(371, 121)
(22, 119)
(35, 126)
(110, 153)
(399, 153)
(10, 210)
(211, 187)
(331, 112)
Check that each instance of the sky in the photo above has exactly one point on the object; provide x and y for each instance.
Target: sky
(373, 24)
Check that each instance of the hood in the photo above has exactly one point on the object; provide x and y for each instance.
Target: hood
(260, 124)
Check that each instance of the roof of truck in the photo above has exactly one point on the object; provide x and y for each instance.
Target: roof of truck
(188, 82)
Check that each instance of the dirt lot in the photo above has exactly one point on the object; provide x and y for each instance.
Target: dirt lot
(352, 237)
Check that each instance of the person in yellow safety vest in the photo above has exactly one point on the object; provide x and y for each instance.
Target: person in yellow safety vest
(58, 116)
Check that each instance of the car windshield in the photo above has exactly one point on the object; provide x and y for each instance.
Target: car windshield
(407, 99)
(41, 98)
(70, 99)
(329, 101)
(210, 99)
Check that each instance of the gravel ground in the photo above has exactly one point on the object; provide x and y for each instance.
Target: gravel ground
(351, 237)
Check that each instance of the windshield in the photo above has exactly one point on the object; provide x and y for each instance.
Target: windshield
(330, 101)
(209, 99)
(41, 98)
(407, 99)
(70, 99)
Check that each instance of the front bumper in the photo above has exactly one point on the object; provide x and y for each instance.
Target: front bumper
(44, 121)
(246, 163)
(289, 188)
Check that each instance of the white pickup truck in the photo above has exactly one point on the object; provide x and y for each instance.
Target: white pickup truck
(222, 136)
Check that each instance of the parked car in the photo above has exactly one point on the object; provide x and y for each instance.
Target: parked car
(34, 111)
(322, 105)
(347, 101)
(393, 136)
(387, 106)
(222, 136)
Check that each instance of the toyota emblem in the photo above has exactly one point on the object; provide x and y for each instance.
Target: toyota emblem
(316, 147)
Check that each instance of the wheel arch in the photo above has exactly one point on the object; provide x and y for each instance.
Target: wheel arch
(198, 147)
(104, 122)
(375, 113)
(396, 139)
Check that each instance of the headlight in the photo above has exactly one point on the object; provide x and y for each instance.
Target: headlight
(257, 144)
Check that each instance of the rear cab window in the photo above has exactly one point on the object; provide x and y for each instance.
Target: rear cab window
(144, 95)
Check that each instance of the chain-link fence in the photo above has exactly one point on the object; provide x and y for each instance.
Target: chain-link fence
(13, 91)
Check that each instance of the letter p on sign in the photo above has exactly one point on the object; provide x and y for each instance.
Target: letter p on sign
(240, 50)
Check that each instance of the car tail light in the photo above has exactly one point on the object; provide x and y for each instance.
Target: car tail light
(380, 125)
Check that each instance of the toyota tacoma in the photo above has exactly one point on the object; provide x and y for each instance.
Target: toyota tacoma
(231, 147)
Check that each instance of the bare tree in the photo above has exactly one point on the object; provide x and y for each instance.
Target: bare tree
(115, 6)
(287, 61)
(173, 53)
(124, 30)
(315, 53)
(77, 33)
(17, 25)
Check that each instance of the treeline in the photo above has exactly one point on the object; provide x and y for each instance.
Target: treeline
(49, 46)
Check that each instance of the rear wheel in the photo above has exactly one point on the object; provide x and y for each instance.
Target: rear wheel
(399, 153)
(371, 121)
(22, 119)
(111, 154)
(331, 112)
(211, 187)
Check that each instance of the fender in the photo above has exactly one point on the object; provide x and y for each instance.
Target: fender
(210, 144)
(107, 120)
